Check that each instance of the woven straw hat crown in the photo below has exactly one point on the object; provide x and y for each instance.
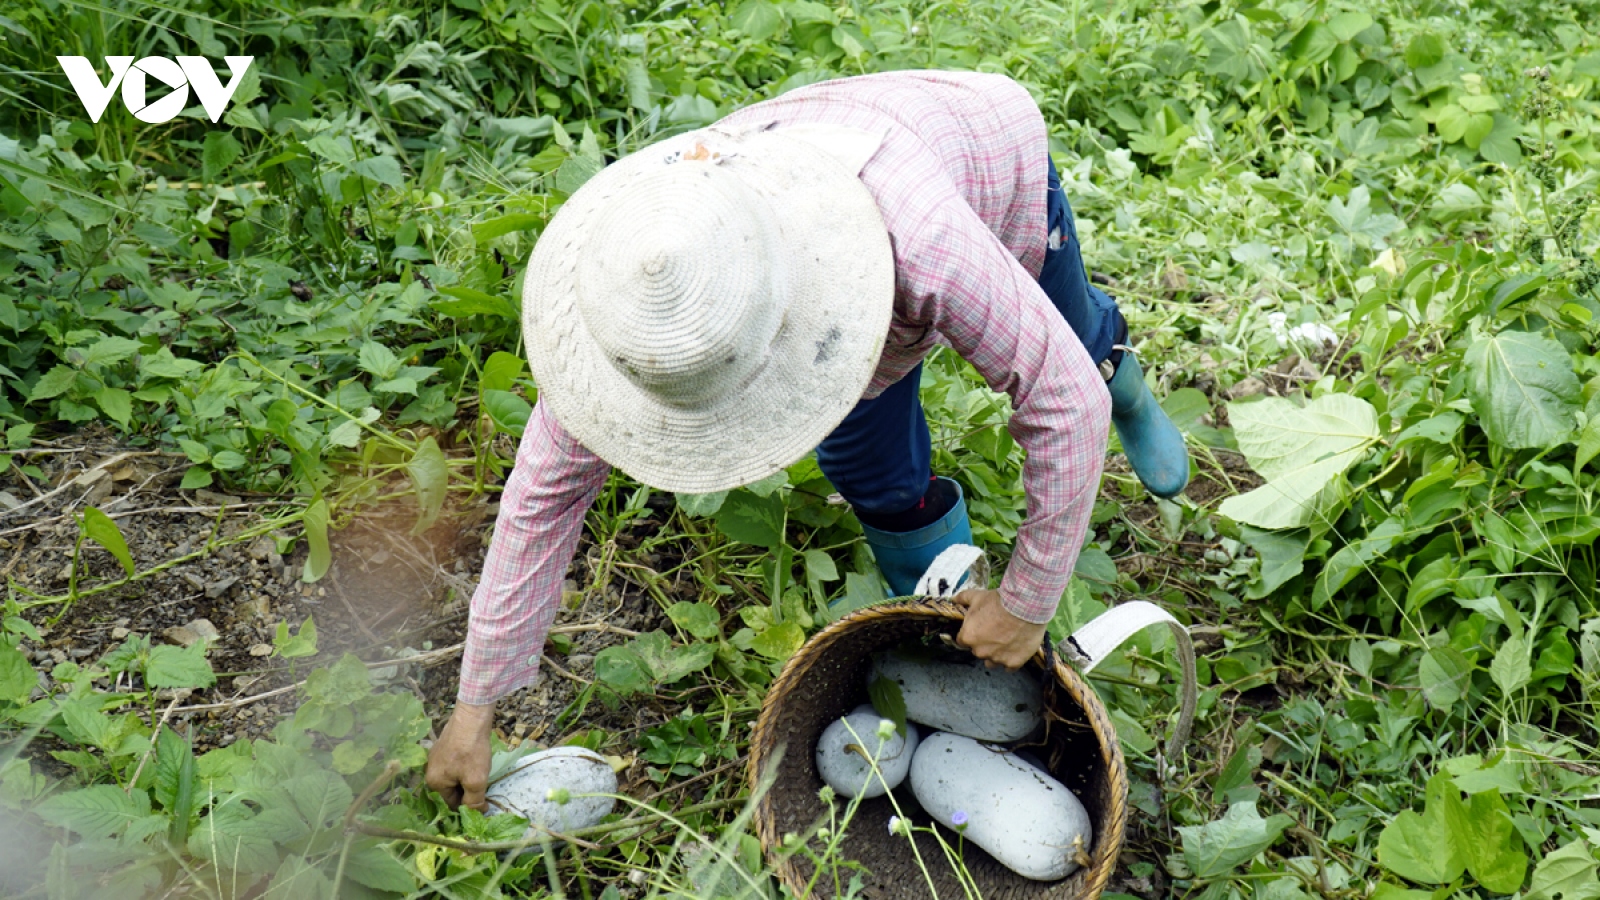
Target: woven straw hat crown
(680, 319)
(702, 313)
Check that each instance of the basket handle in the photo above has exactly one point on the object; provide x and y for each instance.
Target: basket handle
(1092, 643)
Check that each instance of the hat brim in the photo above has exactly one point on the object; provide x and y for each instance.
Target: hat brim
(839, 267)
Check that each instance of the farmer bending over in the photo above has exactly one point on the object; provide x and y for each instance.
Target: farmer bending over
(706, 311)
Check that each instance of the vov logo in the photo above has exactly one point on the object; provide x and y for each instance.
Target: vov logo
(188, 72)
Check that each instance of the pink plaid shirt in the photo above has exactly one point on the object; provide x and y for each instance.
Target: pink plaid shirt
(960, 180)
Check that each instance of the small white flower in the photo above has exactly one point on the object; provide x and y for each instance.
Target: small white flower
(894, 824)
(885, 729)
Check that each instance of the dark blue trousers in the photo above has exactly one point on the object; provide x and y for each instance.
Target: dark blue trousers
(878, 457)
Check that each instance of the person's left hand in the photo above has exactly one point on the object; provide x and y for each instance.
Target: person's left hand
(993, 634)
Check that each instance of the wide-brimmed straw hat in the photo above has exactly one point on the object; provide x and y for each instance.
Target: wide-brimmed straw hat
(704, 312)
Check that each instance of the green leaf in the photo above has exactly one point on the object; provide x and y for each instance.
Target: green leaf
(501, 371)
(1588, 444)
(508, 412)
(1301, 451)
(1416, 848)
(1282, 556)
(699, 619)
(1493, 848)
(301, 644)
(1568, 872)
(373, 866)
(1523, 389)
(233, 837)
(430, 475)
(110, 349)
(219, 151)
(1347, 25)
(116, 403)
(17, 678)
(101, 811)
(622, 669)
(888, 701)
(196, 477)
(499, 226)
(1501, 145)
(750, 519)
(321, 555)
(179, 667)
(779, 642)
(1425, 50)
(757, 19)
(54, 383)
(1220, 846)
(228, 460)
(1511, 669)
(468, 302)
(99, 527)
(378, 360)
(1445, 673)
(701, 504)
(382, 169)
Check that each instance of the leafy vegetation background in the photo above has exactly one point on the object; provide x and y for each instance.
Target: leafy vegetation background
(317, 298)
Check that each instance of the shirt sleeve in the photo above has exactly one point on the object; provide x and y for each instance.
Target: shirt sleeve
(958, 277)
(551, 487)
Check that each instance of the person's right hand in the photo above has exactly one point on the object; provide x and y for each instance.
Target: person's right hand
(458, 763)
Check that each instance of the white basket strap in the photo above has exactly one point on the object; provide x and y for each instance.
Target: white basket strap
(943, 575)
(1095, 641)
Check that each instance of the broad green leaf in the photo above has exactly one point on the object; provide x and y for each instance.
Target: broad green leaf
(1302, 452)
(1568, 873)
(758, 20)
(699, 619)
(1588, 444)
(54, 383)
(179, 667)
(1388, 891)
(750, 519)
(373, 866)
(1282, 555)
(701, 504)
(99, 527)
(1523, 389)
(501, 371)
(1347, 25)
(508, 412)
(488, 230)
(1425, 50)
(382, 169)
(888, 701)
(110, 349)
(233, 837)
(1445, 674)
(228, 460)
(378, 360)
(779, 641)
(17, 678)
(1511, 669)
(100, 811)
(219, 151)
(1417, 848)
(116, 403)
(1494, 850)
(622, 669)
(1220, 846)
(468, 302)
(430, 475)
(321, 554)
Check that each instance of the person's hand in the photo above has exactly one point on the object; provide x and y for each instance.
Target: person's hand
(458, 763)
(993, 634)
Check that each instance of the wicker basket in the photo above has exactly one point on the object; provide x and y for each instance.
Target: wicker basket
(827, 678)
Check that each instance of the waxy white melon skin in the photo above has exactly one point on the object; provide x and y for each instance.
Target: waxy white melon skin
(846, 772)
(575, 769)
(965, 698)
(1025, 819)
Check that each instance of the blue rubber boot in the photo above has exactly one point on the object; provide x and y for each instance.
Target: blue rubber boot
(1153, 444)
(903, 556)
